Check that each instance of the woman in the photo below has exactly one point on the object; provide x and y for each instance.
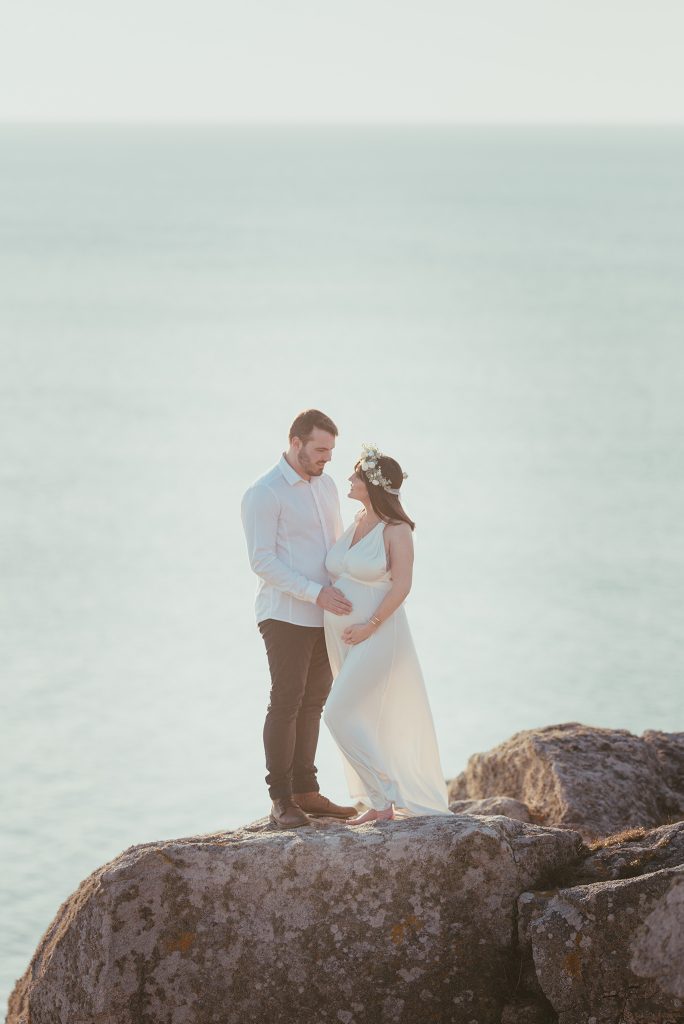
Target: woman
(378, 710)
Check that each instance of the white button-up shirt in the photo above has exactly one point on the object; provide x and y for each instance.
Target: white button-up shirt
(290, 525)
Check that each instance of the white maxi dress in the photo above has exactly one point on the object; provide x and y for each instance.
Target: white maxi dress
(378, 711)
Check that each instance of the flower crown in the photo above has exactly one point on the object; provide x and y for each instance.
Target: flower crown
(369, 464)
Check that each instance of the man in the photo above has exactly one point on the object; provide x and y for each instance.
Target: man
(291, 517)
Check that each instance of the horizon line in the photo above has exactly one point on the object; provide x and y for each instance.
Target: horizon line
(341, 123)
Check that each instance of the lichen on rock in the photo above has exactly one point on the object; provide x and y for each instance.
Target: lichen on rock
(406, 921)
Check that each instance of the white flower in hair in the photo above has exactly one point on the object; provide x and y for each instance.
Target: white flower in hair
(369, 464)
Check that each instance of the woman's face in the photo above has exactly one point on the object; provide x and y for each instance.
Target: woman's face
(358, 488)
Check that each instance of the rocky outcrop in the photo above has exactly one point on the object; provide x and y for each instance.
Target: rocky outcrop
(595, 781)
(478, 917)
(407, 921)
(610, 951)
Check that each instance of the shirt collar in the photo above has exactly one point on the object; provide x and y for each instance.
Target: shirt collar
(289, 473)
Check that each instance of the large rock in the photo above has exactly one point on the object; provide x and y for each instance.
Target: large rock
(597, 781)
(610, 952)
(410, 921)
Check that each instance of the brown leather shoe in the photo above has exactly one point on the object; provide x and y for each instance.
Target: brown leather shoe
(287, 814)
(318, 806)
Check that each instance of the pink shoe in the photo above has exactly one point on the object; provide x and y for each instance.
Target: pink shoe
(372, 815)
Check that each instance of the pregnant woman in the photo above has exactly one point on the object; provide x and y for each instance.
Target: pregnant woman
(378, 711)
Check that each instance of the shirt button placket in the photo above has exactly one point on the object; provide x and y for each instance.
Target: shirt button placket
(321, 517)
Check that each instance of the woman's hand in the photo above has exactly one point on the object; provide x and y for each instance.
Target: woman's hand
(357, 634)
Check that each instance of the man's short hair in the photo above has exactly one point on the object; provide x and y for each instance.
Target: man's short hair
(304, 424)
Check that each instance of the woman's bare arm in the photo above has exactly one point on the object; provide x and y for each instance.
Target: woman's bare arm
(400, 550)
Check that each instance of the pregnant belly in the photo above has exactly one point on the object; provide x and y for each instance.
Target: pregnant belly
(365, 598)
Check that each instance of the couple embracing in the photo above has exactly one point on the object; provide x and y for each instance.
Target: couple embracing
(329, 607)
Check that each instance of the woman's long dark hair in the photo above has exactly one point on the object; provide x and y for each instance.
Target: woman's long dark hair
(387, 506)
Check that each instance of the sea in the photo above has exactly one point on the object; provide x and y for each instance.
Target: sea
(501, 309)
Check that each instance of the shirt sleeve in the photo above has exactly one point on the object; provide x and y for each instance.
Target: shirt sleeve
(260, 510)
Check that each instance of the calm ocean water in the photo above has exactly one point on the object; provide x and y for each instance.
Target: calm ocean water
(501, 310)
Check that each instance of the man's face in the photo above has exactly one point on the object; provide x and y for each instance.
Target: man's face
(313, 455)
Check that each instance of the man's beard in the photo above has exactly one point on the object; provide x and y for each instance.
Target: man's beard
(308, 465)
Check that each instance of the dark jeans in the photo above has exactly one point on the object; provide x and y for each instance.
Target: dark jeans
(301, 679)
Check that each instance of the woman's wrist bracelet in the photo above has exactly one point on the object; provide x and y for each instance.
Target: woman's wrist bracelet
(375, 620)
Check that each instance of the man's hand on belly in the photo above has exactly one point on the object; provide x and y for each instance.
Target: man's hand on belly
(333, 600)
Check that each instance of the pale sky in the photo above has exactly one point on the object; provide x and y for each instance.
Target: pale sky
(350, 60)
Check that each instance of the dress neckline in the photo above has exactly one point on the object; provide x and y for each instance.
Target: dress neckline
(352, 545)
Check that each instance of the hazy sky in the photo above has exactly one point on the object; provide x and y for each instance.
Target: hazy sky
(317, 60)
